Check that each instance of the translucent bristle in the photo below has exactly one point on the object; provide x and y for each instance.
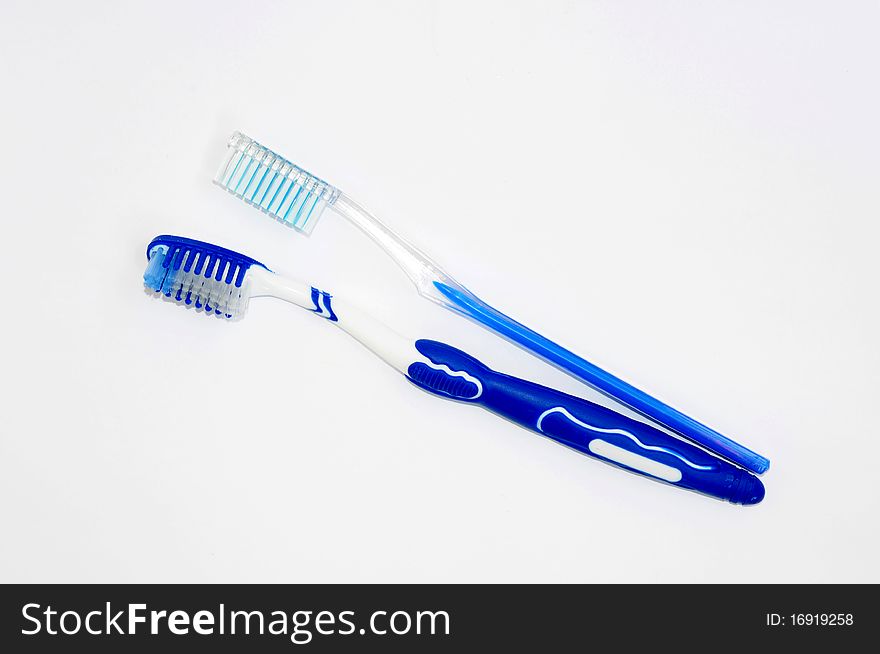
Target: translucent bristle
(273, 184)
(199, 278)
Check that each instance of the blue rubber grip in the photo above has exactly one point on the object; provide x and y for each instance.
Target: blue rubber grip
(586, 427)
(470, 305)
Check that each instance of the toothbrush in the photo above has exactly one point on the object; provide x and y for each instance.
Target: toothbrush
(219, 282)
(297, 198)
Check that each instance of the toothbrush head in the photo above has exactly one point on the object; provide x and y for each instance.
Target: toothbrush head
(273, 184)
(198, 274)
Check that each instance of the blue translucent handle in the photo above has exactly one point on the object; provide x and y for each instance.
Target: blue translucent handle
(467, 303)
(581, 425)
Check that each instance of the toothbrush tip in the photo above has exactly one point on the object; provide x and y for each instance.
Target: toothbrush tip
(750, 491)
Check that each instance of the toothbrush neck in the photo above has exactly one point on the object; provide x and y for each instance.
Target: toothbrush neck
(420, 269)
(264, 282)
(394, 349)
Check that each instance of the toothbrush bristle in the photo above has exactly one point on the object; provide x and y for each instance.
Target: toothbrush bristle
(274, 185)
(209, 278)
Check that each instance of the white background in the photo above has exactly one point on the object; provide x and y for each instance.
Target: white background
(685, 194)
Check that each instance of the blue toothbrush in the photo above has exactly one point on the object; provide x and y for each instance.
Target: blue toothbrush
(219, 282)
(297, 198)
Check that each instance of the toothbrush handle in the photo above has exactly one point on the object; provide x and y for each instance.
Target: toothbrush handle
(586, 427)
(461, 300)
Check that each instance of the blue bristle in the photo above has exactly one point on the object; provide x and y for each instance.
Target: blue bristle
(155, 272)
(273, 184)
(197, 273)
(221, 262)
(200, 263)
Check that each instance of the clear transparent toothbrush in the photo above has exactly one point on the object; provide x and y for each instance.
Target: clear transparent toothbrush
(296, 198)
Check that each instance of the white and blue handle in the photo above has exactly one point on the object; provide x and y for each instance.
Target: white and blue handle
(586, 427)
(581, 425)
